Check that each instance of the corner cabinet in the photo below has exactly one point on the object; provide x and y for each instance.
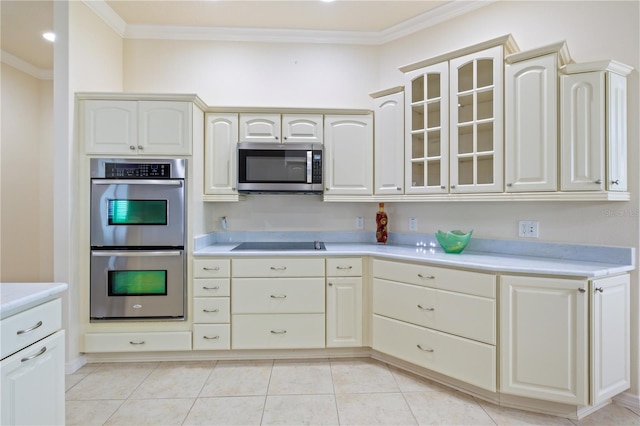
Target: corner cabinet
(348, 155)
(220, 140)
(593, 104)
(137, 127)
(549, 354)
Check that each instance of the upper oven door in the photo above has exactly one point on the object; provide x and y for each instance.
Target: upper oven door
(137, 212)
(279, 167)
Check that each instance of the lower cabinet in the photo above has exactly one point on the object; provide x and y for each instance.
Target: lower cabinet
(547, 351)
(138, 342)
(437, 318)
(211, 304)
(33, 384)
(344, 302)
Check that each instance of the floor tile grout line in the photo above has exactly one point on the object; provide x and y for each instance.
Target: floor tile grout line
(266, 392)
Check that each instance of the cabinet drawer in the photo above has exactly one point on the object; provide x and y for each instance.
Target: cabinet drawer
(344, 267)
(460, 314)
(211, 310)
(211, 268)
(278, 331)
(460, 358)
(279, 267)
(284, 295)
(211, 336)
(476, 283)
(217, 287)
(138, 342)
(25, 328)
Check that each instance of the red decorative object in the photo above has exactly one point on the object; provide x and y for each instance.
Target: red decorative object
(381, 225)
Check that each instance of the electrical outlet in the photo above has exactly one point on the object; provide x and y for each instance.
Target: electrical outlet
(528, 228)
(359, 222)
(413, 224)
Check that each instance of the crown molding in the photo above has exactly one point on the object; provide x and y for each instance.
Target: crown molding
(175, 32)
(26, 67)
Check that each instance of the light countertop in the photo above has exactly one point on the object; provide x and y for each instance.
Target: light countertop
(434, 255)
(17, 297)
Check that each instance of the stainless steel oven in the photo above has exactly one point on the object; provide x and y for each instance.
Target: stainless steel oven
(138, 230)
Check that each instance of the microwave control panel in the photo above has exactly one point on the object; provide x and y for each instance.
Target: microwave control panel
(316, 167)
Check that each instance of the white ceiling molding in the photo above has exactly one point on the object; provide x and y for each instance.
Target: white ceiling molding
(178, 32)
(108, 15)
(25, 67)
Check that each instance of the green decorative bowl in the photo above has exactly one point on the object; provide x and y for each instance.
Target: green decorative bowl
(453, 241)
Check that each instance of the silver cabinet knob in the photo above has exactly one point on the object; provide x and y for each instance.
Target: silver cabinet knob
(599, 181)
(615, 182)
(140, 147)
(132, 147)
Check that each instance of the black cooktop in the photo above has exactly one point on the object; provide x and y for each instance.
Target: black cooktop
(281, 245)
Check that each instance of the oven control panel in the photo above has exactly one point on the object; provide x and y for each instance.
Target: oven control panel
(137, 170)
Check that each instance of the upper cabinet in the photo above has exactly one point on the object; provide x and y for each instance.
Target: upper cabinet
(285, 128)
(389, 142)
(454, 121)
(593, 104)
(220, 140)
(531, 118)
(348, 155)
(137, 127)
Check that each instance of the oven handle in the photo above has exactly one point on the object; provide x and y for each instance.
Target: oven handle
(136, 182)
(135, 253)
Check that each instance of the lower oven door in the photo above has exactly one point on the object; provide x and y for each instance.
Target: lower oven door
(137, 284)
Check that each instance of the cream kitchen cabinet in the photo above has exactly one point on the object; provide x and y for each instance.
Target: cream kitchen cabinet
(531, 118)
(278, 303)
(285, 128)
(546, 343)
(32, 366)
(454, 121)
(348, 155)
(221, 138)
(344, 302)
(593, 106)
(137, 127)
(437, 318)
(211, 304)
(389, 142)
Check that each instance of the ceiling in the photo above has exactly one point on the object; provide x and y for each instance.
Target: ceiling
(23, 21)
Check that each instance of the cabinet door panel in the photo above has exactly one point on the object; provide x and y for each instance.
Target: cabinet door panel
(389, 144)
(306, 128)
(344, 311)
(543, 338)
(221, 138)
(583, 131)
(260, 128)
(616, 132)
(531, 114)
(610, 334)
(348, 166)
(110, 127)
(165, 127)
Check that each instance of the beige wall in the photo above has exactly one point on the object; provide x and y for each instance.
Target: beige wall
(25, 176)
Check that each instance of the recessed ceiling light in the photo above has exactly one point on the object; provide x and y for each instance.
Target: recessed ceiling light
(49, 36)
(328, 1)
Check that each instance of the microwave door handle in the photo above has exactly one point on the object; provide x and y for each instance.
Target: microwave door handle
(134, 253)
(309, 164)
(137, 182)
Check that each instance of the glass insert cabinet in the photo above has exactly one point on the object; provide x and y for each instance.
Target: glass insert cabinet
(454, 129)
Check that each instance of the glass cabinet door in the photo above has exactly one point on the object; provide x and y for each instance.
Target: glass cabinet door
(427, 130)
(476, 122)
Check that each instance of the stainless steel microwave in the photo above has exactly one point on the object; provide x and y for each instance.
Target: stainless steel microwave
(279, 168)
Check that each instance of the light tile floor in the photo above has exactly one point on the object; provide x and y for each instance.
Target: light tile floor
(286, 392)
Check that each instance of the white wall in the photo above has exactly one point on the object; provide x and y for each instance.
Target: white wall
(26, 235)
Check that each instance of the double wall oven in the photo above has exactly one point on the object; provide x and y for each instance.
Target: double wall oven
(138, 231)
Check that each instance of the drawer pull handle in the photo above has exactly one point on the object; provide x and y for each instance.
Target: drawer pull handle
(278, 268)
(423, 349)
(217, 268)
(344, 267)
(211, 288)
(426, 309)
(30, 357)
(582, 290)
(141, 342)
(427, 277)
(211, 311)
(278, 331)
(27, 330)
(278, 296)
(211, 338)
